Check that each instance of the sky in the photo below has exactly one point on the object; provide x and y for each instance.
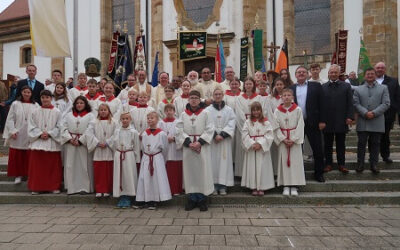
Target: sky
(4, 4)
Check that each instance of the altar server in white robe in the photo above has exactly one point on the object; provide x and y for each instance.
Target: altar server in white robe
(233, 93)
(158, 92)
(80, 89)
(99, 141)
(132, 100)
(169, 99)
(60, 99)
(257, 138)
(78, 163)
(195, 132)
(93, 95)
(126, 146)
(290, 136)
(139, 114)
(229, 77)
(16, 134)
(109, 98)
(45, 165)
(153, 183)
(182, 100)
(224, 120)
(242, 111)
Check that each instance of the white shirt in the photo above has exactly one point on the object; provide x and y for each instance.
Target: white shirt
(380, 79)
(301, 94)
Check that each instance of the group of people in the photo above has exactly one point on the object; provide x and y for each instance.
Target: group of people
(150, 143)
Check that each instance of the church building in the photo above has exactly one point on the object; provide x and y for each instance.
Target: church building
(308, 25)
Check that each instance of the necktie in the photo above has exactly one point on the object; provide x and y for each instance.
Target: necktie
(30, 84)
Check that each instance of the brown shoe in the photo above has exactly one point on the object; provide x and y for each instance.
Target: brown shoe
(328, 168)
(343, 170)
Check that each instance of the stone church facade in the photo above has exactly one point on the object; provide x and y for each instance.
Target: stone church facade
(308, 25)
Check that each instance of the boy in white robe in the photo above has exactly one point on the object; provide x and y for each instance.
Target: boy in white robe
(224, 120)
(169, 99)
(45, 165)
(153, 183)
(139, 114)
(174, 156)
(289, 136)
(80, 89)
(93, 95)
(182, 100)
(257, 136)
(195, 132)
(78, 163)
(126, 155)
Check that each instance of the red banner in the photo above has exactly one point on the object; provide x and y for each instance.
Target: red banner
(113, 52)
(342, 50)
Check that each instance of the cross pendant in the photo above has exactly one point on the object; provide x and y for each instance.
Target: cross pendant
(193, 120)
(148, 147)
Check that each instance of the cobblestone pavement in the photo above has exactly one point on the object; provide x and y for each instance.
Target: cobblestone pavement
(223, 227)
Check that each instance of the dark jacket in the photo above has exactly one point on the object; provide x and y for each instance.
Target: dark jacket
(337, 106)
(394, 93)
(36, 91)
(313, 103)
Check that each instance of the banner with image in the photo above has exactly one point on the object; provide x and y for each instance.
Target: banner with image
(192, 45)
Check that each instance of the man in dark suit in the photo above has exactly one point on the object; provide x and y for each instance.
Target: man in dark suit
(338, 112)
(390, 115)
(308, 96)
(35, 85)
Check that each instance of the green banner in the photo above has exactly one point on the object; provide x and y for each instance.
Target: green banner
(192, 45)
(244, 48)
(257, 45)
(363, 62)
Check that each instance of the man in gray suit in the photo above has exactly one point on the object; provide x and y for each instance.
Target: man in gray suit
(371, 100)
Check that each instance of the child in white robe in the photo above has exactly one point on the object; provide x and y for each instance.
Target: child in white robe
(93, 95)
(242, 111)
(126, 155)
(109, 98)
(169, 99)
(181, 101)
(139, 114)
(153, 183)
(289, 136)
(99, 140)
(132, 100)
(224, 120)
(80, 89)
(233, 93)
(60, 99)
(257, 137)
(174, 156)
(78, 163)
(16, 134)
(45, 165)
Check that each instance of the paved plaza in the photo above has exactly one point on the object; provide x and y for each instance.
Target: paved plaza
(222, 227)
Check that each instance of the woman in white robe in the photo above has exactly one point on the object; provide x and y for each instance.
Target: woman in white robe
(257, 138)
(60, 99)
(153, 183)
(290, 159)
(78, 163)
(126, 146)
(16, 134)
(224, 120)
(242, 111)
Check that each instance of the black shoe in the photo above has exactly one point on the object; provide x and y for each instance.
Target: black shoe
(374, 169)
(388, 160)
(190, 205)
(203, 206)
(320, 178)
(360, 167)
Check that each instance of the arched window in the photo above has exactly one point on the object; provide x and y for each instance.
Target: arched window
(26, 56)
(124, 11)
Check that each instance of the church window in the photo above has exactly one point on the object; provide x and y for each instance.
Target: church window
(124, 11)
(312, 27)
(26, 56)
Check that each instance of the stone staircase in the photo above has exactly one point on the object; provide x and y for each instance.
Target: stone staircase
(353, 188)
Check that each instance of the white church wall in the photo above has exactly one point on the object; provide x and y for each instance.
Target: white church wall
(11, 57)
(353, 22)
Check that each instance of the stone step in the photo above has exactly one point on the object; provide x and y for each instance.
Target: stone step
(311, 186)
(353, 149)
(305, 198)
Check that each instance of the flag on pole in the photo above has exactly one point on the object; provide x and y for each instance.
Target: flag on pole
(363, 61)
(124, 67)
(140, 54)
(283, 59)
(154, 77)
(222, 59)
(218, 65)
(48, 26)
(258, 44)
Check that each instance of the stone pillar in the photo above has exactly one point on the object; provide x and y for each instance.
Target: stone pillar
(105, 34)
(337, 19)
(137, 20)
(380, 33)
(156, 33)
(288, 24)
